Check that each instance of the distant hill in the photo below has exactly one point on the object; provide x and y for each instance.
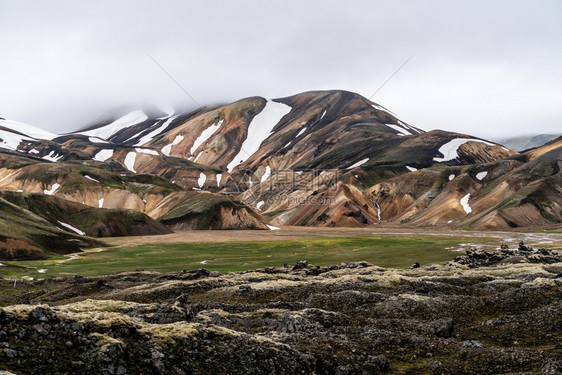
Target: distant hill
(526, 142)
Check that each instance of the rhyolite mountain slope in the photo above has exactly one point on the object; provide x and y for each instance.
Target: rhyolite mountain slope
(319, 158)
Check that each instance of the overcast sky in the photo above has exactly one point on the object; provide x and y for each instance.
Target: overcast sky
(486, 68)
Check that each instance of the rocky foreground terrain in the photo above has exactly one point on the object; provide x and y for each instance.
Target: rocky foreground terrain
(485, 312)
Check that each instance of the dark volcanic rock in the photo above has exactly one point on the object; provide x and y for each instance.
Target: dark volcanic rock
(485, 312)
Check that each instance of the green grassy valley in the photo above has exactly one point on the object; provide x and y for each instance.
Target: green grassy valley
(238, 256)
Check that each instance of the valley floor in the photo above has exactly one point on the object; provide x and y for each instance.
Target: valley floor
(492, 238)
(228, 251)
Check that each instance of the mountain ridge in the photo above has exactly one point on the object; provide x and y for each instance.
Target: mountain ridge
(335, 145)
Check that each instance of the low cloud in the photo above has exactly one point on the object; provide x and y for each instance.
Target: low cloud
(483, 68)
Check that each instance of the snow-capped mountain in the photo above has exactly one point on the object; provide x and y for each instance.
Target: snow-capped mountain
(271, 156)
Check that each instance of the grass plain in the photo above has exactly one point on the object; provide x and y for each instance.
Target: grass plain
(394, 252)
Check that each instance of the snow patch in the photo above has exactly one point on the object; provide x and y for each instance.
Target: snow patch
(130, 161)
(147, 151)
(27, 129)
(360, 162)
(399, 129)
(92, 179)
(464, 204)
(107, 131)
(100, 203)
(53, 157)
(97, 140)
(378, 207)
(147, 138)
(381, 108)
(201, 180)
(219, 178)
(34, 151)
(10, 140)
(480, 176)
(323, 114)
(53, 188)
(451, 177)
(411, 169)
(259, 205)
(68, 226)
(205, 135)
(449, 149)
(42, 270)
(287, 145)
(301, 131)
(204, 262)
(266, 174)
(271, 227)
(259, 129)
(505, 149)
(103, 155)
(168, 148)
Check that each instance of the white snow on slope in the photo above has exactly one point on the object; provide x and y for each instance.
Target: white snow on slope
(449, 149)
(271, 227)
(168, 148)
(480, 176)
(260, 203)
(27, 129)
(100, 203)
(34, 151)
(51, 190)
(147, 151)
(53, 156)
(105, 132)
(90, 178)
(201, 180)
(302, 131)
(399, 129)
(266, 174)
(97, 140)
(103, 155)
(11, 141)
(205, 135)
(451, 177)
(411, 169)
(259, 129)
(68, 226)
(130, 161)
(464, 204)
(147, 138)
(360, 162)
(219, 178)
(323, 114)
(404, 125)
(381, 108)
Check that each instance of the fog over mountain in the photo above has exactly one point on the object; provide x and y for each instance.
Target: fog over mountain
(487, 68)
